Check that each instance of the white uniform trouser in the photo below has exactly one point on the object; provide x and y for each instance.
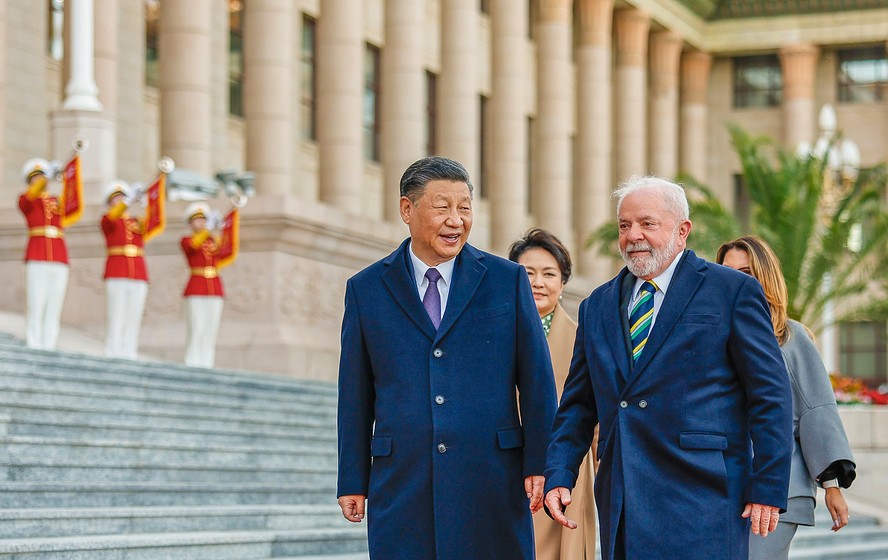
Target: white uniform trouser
(125, 300)
(203, 314)
(46, 283)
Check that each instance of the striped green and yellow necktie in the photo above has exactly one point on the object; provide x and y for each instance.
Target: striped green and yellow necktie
(641, 318)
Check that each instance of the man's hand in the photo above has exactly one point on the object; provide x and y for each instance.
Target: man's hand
(764, 518)
(353, 507)
(555, 499)
(533, 485)
(838, 508)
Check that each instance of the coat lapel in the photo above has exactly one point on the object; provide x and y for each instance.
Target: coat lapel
(614, 333)
(687, 278)
(467, 275)
(398, 278)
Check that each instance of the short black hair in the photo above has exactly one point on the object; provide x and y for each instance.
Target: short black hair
(537, 238)
(421, 172)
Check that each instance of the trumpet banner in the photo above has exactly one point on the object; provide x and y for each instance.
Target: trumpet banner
(229, 242)
(72, 192)
(155, 208)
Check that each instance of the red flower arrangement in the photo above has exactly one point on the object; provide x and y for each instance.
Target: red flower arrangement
(854, 391)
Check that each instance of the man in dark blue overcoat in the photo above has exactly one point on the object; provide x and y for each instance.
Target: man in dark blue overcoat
(677, 360)
(446, 391)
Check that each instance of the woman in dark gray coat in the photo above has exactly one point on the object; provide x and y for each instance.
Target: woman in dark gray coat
(821, 455)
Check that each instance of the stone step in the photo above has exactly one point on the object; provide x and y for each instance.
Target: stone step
(25, 495)
(861, 551)
(67, 471)
(819, 537)
(156, 371)
(30, 407)
(357, 556)
(26, 450)
(822, 519)
(9, 399)
(60, 377)
(138, 430)
(171, 400)
(240, 545)
(175, 389)
(44, 523)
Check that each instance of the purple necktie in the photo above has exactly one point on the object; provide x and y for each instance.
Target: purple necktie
(432, 298)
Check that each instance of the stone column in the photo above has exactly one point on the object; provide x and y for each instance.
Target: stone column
(82, 115)
(5, 183)
(186, 96)
(81, 92)
(508, 123)
(665, 54)
(799, 64)
(695, 66)
(403, 98)
(594, 182)
(552, 190)
(107, 25)
(268, 93)
(631, 28)
(340, 83)
(458, 101)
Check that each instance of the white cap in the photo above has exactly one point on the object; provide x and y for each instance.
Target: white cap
(196, 210)
(33, 166)
(114, 188)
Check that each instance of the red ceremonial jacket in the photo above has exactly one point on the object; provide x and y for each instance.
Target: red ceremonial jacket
(126, 250)
(46, 241)
(204, 279)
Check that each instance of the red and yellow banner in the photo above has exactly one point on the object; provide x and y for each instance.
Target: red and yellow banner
(155, 208)
(72, 192)
(230, 241)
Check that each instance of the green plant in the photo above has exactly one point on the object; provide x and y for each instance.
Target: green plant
(807, 223)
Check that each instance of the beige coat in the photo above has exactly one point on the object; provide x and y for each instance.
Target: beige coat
(554, 542)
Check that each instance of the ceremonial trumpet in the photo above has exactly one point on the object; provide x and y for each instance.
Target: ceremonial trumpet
(166, 165)
(80, 144)
(239, 200)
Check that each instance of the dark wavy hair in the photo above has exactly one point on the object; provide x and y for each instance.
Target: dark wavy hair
(425, 170)
(537, 238)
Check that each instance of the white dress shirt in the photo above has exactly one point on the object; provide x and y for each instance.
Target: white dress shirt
(662, 281)
(422, 283)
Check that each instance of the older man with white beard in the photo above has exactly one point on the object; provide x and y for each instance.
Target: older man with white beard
(676, 359)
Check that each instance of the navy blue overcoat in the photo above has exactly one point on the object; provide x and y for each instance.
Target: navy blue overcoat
(439, 428)
(675, 435)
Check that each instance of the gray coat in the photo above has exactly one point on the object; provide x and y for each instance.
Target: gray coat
(820, 438)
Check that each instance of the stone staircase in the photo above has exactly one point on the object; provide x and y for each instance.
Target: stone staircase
(114, 459)
(862, 539)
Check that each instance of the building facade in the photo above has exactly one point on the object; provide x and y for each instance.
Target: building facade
(548, 103)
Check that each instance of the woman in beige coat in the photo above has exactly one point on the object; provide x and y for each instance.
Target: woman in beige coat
(548, 266)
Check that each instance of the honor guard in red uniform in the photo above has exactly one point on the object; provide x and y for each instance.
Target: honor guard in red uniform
(203, 294)
(46, 257)
(126, 277)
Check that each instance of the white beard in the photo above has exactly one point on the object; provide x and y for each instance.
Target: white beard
(643, 267)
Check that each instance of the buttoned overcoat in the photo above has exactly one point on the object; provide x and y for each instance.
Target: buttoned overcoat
(439, 428)
(677, 429)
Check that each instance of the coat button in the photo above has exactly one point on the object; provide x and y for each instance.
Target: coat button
(439, 400)
(437, 352)
(442, 448)
(623, 404)
(642, 404)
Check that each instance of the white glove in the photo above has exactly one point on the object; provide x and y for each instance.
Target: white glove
(214, 221)
(55, 170)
